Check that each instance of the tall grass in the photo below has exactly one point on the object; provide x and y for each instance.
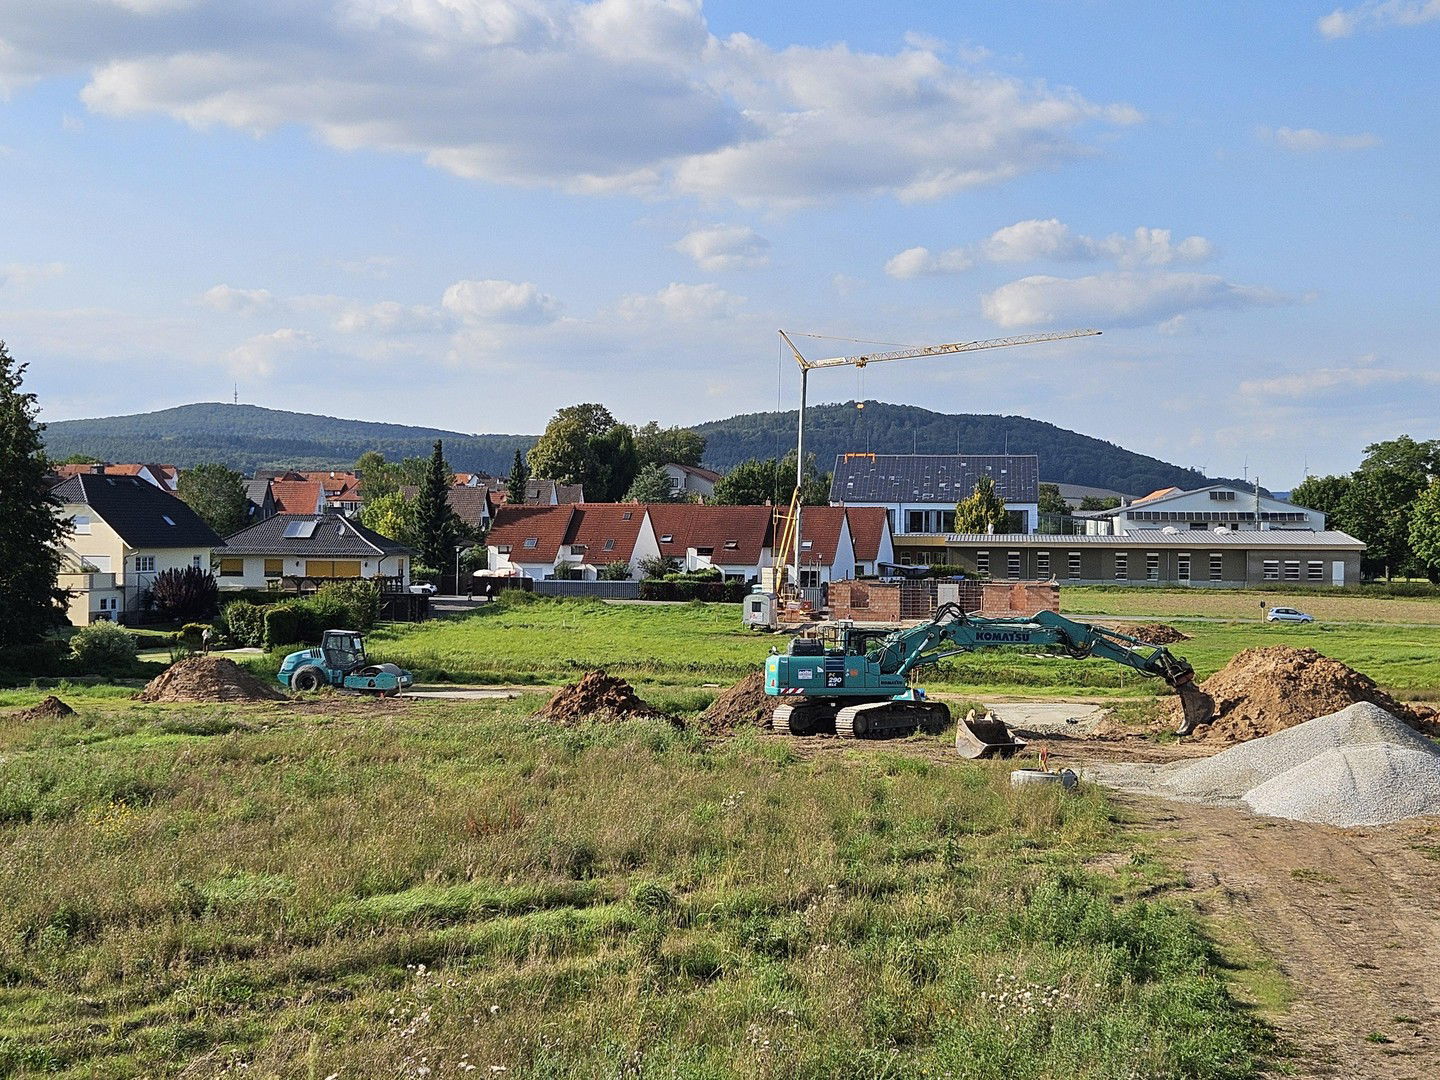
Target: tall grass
(435, 891)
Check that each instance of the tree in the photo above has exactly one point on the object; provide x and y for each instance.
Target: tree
(217, 494)
(1425, 530)
(185, 593)
(583, 444)
(1323, 493)
(391, 515)
(1099, 502)
(982, 511)
(765, 480)
(652, 485)
(31, 529)
(1382, 493)
(434, 520)
(655, 445)
(515, 484)
(412, 471)
(377, 476)
(1051, 501)
(78, 459)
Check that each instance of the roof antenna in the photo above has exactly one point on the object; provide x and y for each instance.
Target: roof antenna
(236, 396)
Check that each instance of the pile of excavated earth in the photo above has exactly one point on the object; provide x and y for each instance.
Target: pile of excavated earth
(1359, 765)
(52, 708)
(1154, 633)
(208, 679)
(598, 696)
(1268, 689)
(744, 705)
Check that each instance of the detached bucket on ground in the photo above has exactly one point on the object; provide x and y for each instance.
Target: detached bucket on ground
(985, 737)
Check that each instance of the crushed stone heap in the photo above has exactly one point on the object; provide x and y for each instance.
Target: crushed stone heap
(1357, 766)
(1268, 689)
(208, 679)
(744, 705)
(598, 696)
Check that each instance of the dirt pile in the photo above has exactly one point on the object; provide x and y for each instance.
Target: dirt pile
(1155, 633)
(52, 708)
(744, 705)
(598, 696)
(207, 679)
(1268, 689)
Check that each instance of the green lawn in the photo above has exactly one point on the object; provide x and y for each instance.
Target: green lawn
(551, 641)
(1327, 605)
(433, 890)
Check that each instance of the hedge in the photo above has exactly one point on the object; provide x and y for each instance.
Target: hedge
(713, 592)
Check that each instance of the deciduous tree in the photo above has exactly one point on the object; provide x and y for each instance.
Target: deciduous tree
(1051, 501)
(765, 480)
(31, 528)
(655, 445)
(982, 511)
(1425, 530)
(583, 444)
(391, 515)
(377, 476)
(217, 494)
(651, 485)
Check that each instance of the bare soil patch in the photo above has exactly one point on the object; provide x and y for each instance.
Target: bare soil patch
(1274, 687)
(1155, 633)
(52, 708)
(598, 696)
(208, 679)
(744, 705)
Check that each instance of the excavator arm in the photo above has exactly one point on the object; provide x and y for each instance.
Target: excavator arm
(952, 632)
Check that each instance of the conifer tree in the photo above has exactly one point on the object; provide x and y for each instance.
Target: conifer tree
(434, 520)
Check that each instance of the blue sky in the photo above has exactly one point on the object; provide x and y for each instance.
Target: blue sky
(467, 213)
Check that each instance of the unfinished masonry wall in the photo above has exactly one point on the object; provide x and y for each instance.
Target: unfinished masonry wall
(910, 601)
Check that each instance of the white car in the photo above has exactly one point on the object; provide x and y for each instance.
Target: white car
(1287, 614)
(423, 587)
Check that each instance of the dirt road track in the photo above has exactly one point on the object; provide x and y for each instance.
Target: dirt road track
(1350, 916)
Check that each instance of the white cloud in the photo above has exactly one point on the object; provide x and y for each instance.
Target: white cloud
(725, 247)
(1036, 239)
(260, 354)
(389, 317)
(25, 273)
(237, 301)
(1318, 382)
(1378, 15)
(500, 301)
(680, 303)
(1308, 140)
(920, 261)
(627, 95)
(1123, 298)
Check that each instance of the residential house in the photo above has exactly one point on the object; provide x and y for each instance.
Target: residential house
(1226, 505)
(537, 492)
(691, 479)
(124, 531)
(474, 506)
(919, 491)
(302, 551)
(871, 537)
(738, 540)
(575, 541)
(165, 477)
(259, 501)
(827, 550)
(298, 496)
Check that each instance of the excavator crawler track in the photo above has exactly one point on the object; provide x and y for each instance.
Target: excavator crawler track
(803, 718)
(891, 719)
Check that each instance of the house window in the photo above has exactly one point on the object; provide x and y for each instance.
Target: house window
(1182, 566)
(914, 521)
(731, 545)
(531, 541)
(81, 525)
(1042, 564)
(144, 564)
(195, 561)
(609, 545)
(1074, 568)
(805, 545)
(328, 568)
(1217, 566)
(711, 550)
(1272, 570)
(1315, 571)
(1152, 566)
(1223, 496)
(982, 562)
(1292, 570)
(1122, 565)
(232, 567)
(627, 515)
(809, 579)
(668, 538)
(1012, 564)
(274, 567)
(579, 549)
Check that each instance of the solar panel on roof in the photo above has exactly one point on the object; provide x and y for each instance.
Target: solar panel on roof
(300, 530)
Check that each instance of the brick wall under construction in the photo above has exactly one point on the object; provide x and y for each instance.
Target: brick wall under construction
(896, 602)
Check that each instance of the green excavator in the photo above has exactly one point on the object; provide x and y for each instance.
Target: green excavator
(858, 684)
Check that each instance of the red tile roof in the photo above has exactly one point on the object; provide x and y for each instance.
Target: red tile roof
(546, 525)
(297, 496)
(597, 524)
(868, 525)
(820, 528)
(691, 525)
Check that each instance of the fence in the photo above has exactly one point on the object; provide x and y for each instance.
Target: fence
(606, 590)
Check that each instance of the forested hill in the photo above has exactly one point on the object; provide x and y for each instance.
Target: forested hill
(1065, 456)
(248, 437)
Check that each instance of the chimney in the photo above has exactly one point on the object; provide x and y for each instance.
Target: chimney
(97, 469)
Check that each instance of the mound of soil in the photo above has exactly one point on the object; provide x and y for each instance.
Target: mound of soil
(208, 678)
(598, 696)
(744, 705)
(1155, 633)
(52, 708)
(1265, 690)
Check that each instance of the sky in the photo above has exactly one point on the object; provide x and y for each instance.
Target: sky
(468, 213)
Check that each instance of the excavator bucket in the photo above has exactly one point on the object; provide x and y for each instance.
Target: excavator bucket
(1198, 707)
(985, 737)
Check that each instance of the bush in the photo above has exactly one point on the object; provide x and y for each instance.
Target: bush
(243, 623)
(185, 594)
(348, 605)
(713, 592)
(615, 571)
(102, 646)
(282, 626)
(192, 635)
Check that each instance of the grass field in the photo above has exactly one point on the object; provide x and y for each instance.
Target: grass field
(363, 889)
(552, 641)
(1326, 605)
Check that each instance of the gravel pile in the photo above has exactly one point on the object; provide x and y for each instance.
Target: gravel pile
(1357, 766)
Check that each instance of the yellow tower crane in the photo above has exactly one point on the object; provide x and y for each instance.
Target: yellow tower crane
(789, 547)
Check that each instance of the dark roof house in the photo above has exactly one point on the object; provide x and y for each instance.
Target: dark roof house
(943, 479)
(323, 536)
(142, 515)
